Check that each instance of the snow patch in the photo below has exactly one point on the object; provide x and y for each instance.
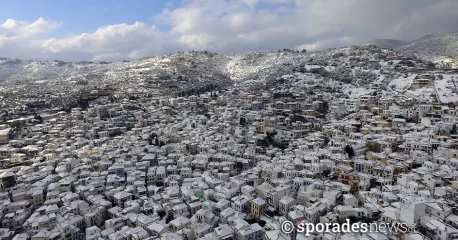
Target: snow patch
(446, 88)
(403, 83)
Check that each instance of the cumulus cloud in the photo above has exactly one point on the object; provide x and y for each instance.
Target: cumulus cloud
(233, 26)
(21, 29)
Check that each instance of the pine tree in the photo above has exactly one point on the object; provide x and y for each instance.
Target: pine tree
(350, 151)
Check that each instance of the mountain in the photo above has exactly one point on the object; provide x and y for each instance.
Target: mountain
(387, 43)
(439, 48)
(12, 70)
(192, 67)
(195, 70)
(183, 73)
(434, 45)
(352, 70)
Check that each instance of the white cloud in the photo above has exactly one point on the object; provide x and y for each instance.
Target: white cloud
(109, 42)
(196, 41)
(309, 46)
(21, 29)
(229, 26)
(251, 3)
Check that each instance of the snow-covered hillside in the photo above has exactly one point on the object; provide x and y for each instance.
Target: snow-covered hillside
(20, 70)
(349, 72)
(442, 48)
(359, 67)
(245, 66)
(197, 68)
(202, 64)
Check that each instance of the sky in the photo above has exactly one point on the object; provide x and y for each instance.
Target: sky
(115, 30)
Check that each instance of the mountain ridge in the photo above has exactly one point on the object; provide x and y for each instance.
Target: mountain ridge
(439, 48)
(194, 72)
(387, 43)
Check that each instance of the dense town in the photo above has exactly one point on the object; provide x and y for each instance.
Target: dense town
(236, 163)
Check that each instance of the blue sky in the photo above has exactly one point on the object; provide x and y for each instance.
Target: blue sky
(88, 15)
(84, 15)
(114, 30)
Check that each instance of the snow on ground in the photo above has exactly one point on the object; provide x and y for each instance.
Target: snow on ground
(140, 69)
(427, 94)
(402, 83)
(355, 92)
(327, 68)
(446, 88)
(41, 81)
(239, 67)
(381, 78)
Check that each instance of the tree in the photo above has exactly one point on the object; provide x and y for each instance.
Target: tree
(169, 218)
(38, 118)
(453, 129)
(326, 141)
(242, 121)
(250, 220)
(373, 146)
(299, 118)
(261, 222)
(326, 173)
(349, 150)
(280, 145)
(161, 213)
(239, 165)
(16, 128)
(132, 97)
(353, 219)
(373, 183)
(83, 103)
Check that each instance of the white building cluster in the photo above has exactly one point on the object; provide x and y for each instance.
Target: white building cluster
(233, 164)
